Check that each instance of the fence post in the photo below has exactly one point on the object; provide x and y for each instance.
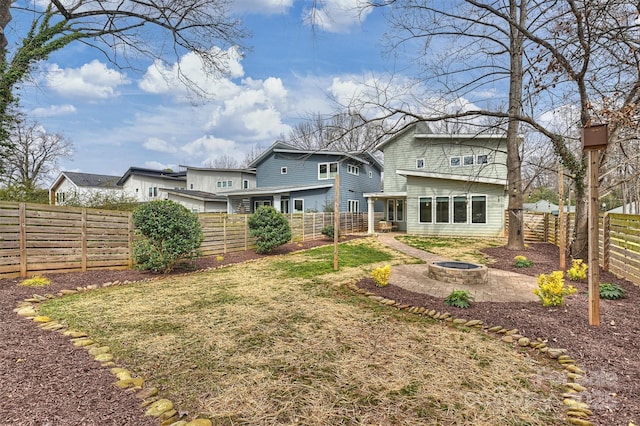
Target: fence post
(130, 239)
(246, 230)
(83, 236)
(606, 241)
(22, 211)
(224, 234)
(546, 227)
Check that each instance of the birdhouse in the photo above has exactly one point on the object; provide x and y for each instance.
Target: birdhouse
(595, 137)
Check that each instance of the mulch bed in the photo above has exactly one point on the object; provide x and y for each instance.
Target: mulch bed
(44, 380)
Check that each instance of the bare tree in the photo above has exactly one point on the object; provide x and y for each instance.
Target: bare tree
(34, 156)
(223, 162)
(121, 30)
(582, 53)
(342, 131)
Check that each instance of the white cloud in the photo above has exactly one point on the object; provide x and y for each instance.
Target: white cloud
(175, 79)
(91, 81)
(53, 110)
(207, 148)
(337, 16)
(160, 145)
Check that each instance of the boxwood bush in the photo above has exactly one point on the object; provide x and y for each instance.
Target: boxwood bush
(168, 234)
(270, 227)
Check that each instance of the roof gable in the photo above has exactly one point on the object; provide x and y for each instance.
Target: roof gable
(89, 180)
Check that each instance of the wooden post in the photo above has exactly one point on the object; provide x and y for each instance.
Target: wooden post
(562, 231)
(336, 222)
(594, 266)
(23, 239)
(83, 236)
(606, 241)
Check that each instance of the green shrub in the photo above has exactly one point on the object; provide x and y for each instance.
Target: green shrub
(169, 234)
(270, 227)
(551, 289)
(328, 231)
(459, 299)
(522, 262)
(611, 291)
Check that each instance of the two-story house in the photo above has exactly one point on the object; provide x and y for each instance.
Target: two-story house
(80, 187)
(150, 184)
(295, 180)
(442, 184)
(205, 188)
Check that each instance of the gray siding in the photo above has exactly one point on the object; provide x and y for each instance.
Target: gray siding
(424, 187)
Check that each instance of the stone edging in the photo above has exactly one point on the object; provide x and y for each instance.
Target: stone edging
(578, 412)
(153, 404)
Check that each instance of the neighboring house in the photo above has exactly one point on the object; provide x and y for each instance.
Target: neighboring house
(629, 208)
(149, 184)
(295, 180)
(205, 187)
(80, 187)
(546, 206)
(437, 184)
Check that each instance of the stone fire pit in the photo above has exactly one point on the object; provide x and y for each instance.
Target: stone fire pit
(458, 272)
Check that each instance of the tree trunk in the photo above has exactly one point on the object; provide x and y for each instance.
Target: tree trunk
(580, 244)
(514, 162)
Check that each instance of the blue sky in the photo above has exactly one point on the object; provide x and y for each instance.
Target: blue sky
(120, 118)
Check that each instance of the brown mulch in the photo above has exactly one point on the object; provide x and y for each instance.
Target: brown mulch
(46, 381)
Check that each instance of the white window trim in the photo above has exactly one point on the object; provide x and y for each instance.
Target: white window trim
(449, 210)
(486, 210)
(370, 174)
(283, 170)
(486, 156)
(352, 169)
(455, 157)
(353, 202)
(245, 184)
(465, 157)
(294, 205)
(432, 207)
(328, 170)
(262, 203)
(418, 160)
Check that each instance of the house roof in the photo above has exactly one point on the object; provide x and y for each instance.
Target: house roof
(267, 190)
(466, 178)
(214, 169)
(163, 174)
(363, 157)
(197, 195)
(88, 180)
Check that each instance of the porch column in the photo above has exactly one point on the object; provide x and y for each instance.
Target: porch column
(276, 202)
(370, 216)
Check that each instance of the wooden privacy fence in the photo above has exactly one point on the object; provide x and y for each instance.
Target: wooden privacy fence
(619, 239)
(37, 238)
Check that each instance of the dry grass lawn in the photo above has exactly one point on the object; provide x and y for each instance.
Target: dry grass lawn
(254, 344)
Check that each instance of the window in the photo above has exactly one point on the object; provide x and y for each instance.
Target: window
(327, 170)
(354, 206)
(153, 191)
(229, 183)
(426, 205)
(454, 161)
(442, 209)
(395, 210)
(191, 186)
(284, 205)
(467, 160)
(352, 169)
(219, 184)
(420, 163)
(482, 159)
(298, 205)
(370, 175)
(259, 203)
(478, 209)
(195, 210)
(283, 170)
(60, 197)
(460, 209)
(245, 184)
